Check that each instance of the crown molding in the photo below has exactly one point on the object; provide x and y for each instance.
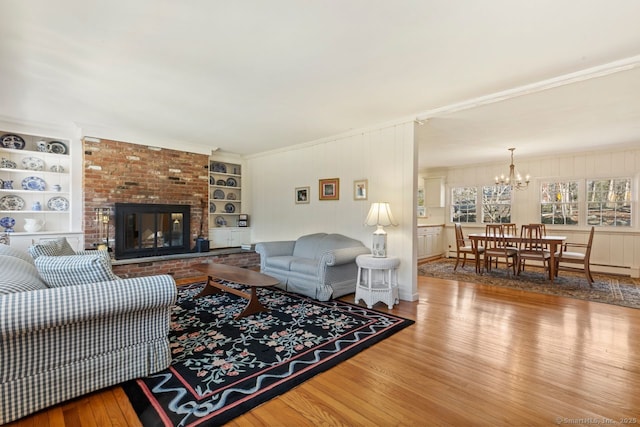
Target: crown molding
(566, 79)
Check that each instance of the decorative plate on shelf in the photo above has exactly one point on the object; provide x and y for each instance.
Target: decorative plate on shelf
(218, 194)
(231, 182)
(56, 168)
(7, 223)
(221, 182)
(42, 146)
(33, 163)
(12, 141)
(231, 196)
(212, 181)
(57, 147)
(220, 167)
(220, 221)
(33, 183)
(8, 164)
(58, 204)
(11, 203)
(212, 207)
(229, 208)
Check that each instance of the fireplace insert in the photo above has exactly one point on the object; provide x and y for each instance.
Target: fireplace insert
(151, 229)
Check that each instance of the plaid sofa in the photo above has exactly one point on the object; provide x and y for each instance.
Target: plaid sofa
(68, 327)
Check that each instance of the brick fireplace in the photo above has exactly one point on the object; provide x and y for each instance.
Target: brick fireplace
(122, 172)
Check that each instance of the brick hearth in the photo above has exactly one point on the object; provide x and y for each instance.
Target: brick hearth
(181, 266)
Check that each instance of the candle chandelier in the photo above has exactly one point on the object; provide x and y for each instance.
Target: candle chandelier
(514, 179)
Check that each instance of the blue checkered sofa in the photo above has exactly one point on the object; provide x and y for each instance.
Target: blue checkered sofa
(68, 327)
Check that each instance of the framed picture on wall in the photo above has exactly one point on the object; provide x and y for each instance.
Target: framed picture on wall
(302, 195)
(360, 189)
(329, 189)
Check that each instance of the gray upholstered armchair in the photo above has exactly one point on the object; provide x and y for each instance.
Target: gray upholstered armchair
(320, 265)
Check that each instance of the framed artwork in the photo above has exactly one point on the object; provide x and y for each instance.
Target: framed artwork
(329, 189)
(302, 195)
(360, 189)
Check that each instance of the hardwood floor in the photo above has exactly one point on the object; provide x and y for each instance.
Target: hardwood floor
(477, 355)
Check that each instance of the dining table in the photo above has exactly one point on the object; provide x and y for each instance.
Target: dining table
(551, 241)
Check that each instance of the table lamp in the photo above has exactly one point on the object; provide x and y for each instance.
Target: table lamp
(380, 216)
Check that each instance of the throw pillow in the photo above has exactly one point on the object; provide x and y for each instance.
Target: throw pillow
(8, 250)
(56, 247)
(105, 253)
(18, 276)
(72, 270)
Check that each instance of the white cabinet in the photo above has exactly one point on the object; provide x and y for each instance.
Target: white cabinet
(429, 241)
(434, 192)
(227, 237)
(35, 184)
(422, 243)
(22, 241)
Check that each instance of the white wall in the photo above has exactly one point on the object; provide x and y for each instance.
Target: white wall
(615, 249)
(385, 157)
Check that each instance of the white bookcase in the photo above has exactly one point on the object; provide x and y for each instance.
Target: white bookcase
(225, 203)
(35, 184)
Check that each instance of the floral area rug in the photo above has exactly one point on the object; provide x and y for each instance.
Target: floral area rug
(224, 367)
(610, 289)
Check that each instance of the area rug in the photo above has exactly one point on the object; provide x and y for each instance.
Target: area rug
(224, 367)
(610, 289)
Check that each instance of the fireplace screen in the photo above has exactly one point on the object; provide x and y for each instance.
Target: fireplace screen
(151, 230)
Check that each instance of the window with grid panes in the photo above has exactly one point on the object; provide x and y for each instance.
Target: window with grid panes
(496, 204)
(609, 202)
(464, 201)
(559, 202)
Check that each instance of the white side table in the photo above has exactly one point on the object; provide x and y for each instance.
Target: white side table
(379, 281)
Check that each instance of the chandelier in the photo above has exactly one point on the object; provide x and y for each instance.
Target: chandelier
(514, 179)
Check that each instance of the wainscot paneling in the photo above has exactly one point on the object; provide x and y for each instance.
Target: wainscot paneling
(384, 156)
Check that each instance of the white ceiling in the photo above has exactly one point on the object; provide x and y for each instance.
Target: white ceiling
(249, 76)
(582, 115)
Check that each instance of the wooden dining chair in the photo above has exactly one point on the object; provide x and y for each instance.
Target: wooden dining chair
(495, 246)
(463, 249)
(532, 248)
(543, 228)
(543, 232)
(510, 228)
(569, 260)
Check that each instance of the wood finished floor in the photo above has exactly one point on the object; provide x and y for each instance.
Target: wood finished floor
(477, 355)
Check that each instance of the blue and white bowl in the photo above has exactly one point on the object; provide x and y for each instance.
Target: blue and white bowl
(8, 223)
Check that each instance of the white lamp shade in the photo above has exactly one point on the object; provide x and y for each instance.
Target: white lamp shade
(380, 214)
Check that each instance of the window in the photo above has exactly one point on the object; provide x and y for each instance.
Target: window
(609, 202)
(496, 204)
(421, 209)
(464, 204)
(559, 202)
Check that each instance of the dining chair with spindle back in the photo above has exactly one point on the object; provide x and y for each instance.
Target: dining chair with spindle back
(532, 248)
(463, 249)
(510, 228)
(495, 246)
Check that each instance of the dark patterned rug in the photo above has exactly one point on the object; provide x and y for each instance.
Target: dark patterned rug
(610, 289)
(223, 367)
